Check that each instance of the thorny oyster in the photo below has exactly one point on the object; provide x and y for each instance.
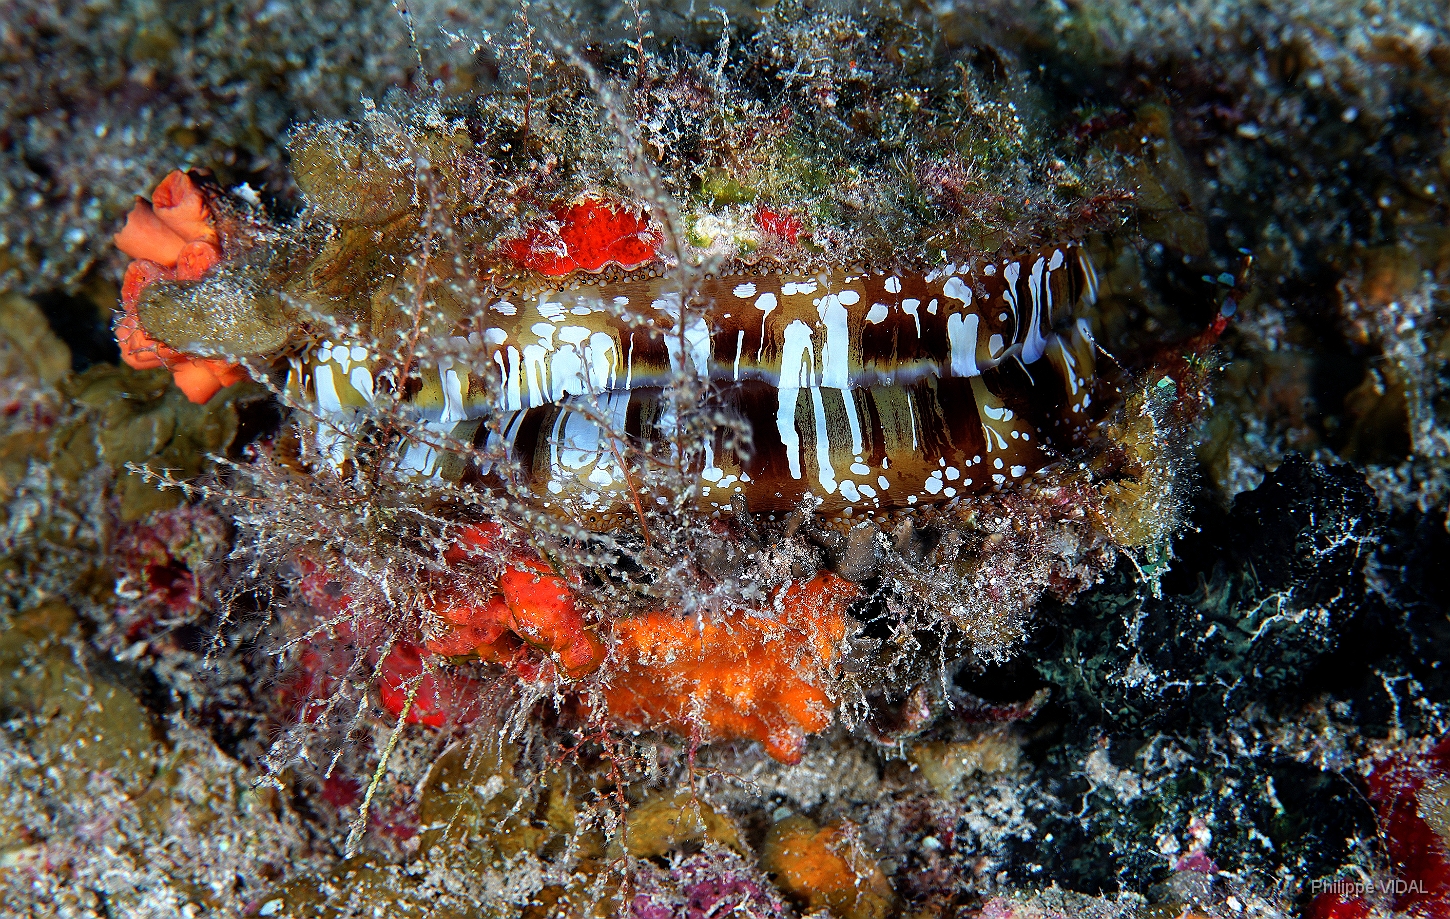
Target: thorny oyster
(598, 370)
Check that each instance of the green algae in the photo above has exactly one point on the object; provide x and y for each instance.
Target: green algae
(136, 418)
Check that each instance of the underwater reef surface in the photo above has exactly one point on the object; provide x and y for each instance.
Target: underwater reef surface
(553, 460)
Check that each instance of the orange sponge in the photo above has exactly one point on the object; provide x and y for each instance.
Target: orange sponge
(171, 238)
(758, 677)
(546, 616)
(138, 349)
(145, 236)
(826, 869)
(180, 205)
(532, 604)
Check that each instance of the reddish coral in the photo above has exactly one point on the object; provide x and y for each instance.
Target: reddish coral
(758, 676)
(779, 223)
(440, 695)
(1411, 795)
(156, 564)
(532, 604)
(305, 689)
(588, 236)
(711, 886)
(171, 238)
(341, 791)
(1401, 789)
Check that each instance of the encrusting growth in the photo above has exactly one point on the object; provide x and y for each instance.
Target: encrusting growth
(759, 676)
(172, 237)
(590, 235)
(533, 606)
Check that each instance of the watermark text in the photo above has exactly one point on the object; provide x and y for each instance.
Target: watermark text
(1358, 887)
